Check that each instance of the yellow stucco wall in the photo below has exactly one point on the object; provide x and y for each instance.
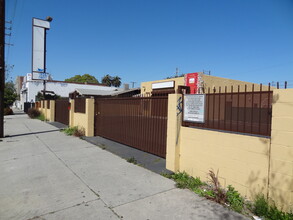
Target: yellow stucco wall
(242, 160)
(79, 121)
(84, 121)
(281, 168)
(50, 113)
(173, 134)
(252, 164)
(208, 82)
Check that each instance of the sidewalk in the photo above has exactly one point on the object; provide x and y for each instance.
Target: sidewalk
(48, 175)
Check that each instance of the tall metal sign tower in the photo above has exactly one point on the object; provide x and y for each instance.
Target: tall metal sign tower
(40, 28)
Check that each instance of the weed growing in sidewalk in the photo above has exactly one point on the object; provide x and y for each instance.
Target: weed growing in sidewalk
(75, 131)
(235, 200)
(229, 197)
(268, 210)
(132, 160)
(41, 117)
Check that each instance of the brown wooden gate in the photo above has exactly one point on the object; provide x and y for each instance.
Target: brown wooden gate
(62, 111)
(138, 122)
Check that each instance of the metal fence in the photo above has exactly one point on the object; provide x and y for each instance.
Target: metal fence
(62, 111)
(79, 105)
(138, 122)
(245, 112)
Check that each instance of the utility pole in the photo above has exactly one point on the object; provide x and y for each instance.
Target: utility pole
(132, 84)
(2, 65)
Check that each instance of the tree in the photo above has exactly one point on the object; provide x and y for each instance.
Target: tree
(85, 78)
(9, 94)
(111, 80)
(40, 96)
(107, 80)
(116, 81)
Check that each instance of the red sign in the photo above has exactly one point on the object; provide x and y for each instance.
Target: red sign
(191, 80)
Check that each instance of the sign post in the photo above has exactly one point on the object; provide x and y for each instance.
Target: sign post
(40, 28)
(194, 108)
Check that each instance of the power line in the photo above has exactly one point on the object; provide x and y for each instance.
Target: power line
(2, 65)
(11, 22)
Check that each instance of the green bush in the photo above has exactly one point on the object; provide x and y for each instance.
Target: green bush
(33, 113)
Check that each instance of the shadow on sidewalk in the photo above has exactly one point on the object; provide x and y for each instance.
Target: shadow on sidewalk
(144, 159)
(31, 133)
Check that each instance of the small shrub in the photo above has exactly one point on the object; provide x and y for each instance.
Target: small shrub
(8, 111)
(33, 113)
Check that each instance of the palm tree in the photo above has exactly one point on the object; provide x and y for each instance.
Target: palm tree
(107, 80)
(116, 81)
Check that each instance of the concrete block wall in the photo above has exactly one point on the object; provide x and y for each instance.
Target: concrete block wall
(252, 164)
(84, 121)
(241, 160)
(281, 157)
(48, 113)
(173, 135)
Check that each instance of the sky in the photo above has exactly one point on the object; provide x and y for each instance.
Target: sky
(146, 40)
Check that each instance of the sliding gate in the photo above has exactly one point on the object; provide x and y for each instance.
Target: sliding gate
(138, 122)
(62, 111)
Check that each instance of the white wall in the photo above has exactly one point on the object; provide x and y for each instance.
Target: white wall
(60, 88)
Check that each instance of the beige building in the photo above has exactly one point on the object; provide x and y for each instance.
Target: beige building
(207, 82)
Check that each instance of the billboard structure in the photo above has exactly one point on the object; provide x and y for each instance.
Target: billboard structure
(39, 49)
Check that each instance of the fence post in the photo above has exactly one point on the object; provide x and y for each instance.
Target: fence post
(89, 111)
(173, 132)
(71, 113)
(52, 110)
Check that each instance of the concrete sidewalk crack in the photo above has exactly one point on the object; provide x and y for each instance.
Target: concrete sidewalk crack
(59, 210)
(48, 147)
(144, 197)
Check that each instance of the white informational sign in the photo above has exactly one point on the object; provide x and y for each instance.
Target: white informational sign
(39, 48)
(194, 108)
(163, 85)
(41, 23)
(40, 76)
